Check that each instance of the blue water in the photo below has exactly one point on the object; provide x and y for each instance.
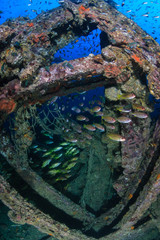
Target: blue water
(145, 13)
(25, 8)
(132, 9)
(136, 10)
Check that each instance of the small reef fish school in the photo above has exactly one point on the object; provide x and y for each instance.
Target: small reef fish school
(79, 125)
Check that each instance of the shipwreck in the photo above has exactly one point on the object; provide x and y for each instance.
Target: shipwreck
(118, 182)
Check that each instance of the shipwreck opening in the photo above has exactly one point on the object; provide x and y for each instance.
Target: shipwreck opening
(27, 192)
(65, 138)
(80, 47)
(69, 144)
(71, 30)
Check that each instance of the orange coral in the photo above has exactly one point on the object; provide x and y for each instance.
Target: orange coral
(111, 71)
(74, 213)
(136, 58)
(158, 177)
(39, 37)
(130, 196)
(82, 10)
(30, 24)
(27, 136)
(7, 105)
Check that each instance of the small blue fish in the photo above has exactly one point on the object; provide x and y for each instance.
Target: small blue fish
(57, 149)
(55, 165)
(46, 134)
(34, 146)
(47, 162)
(49, 142)
(65, 144)
(58, 156)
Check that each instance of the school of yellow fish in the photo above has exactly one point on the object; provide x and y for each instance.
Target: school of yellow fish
(60, 157)
(107, 122)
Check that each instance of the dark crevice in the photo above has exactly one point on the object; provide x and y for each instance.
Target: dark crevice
(111, 203)
(108, 229)
(7, 41)
(39, 202)
(5, 80)
(84, 82)
(77, 30)
(142, 221)
(104, 40)
(139, 72)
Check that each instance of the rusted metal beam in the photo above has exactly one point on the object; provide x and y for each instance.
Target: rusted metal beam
(29, 48)
(56, 198)
(22, 212)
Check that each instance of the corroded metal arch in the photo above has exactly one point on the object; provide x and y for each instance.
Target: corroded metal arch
(27, 77)
(27, 48)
